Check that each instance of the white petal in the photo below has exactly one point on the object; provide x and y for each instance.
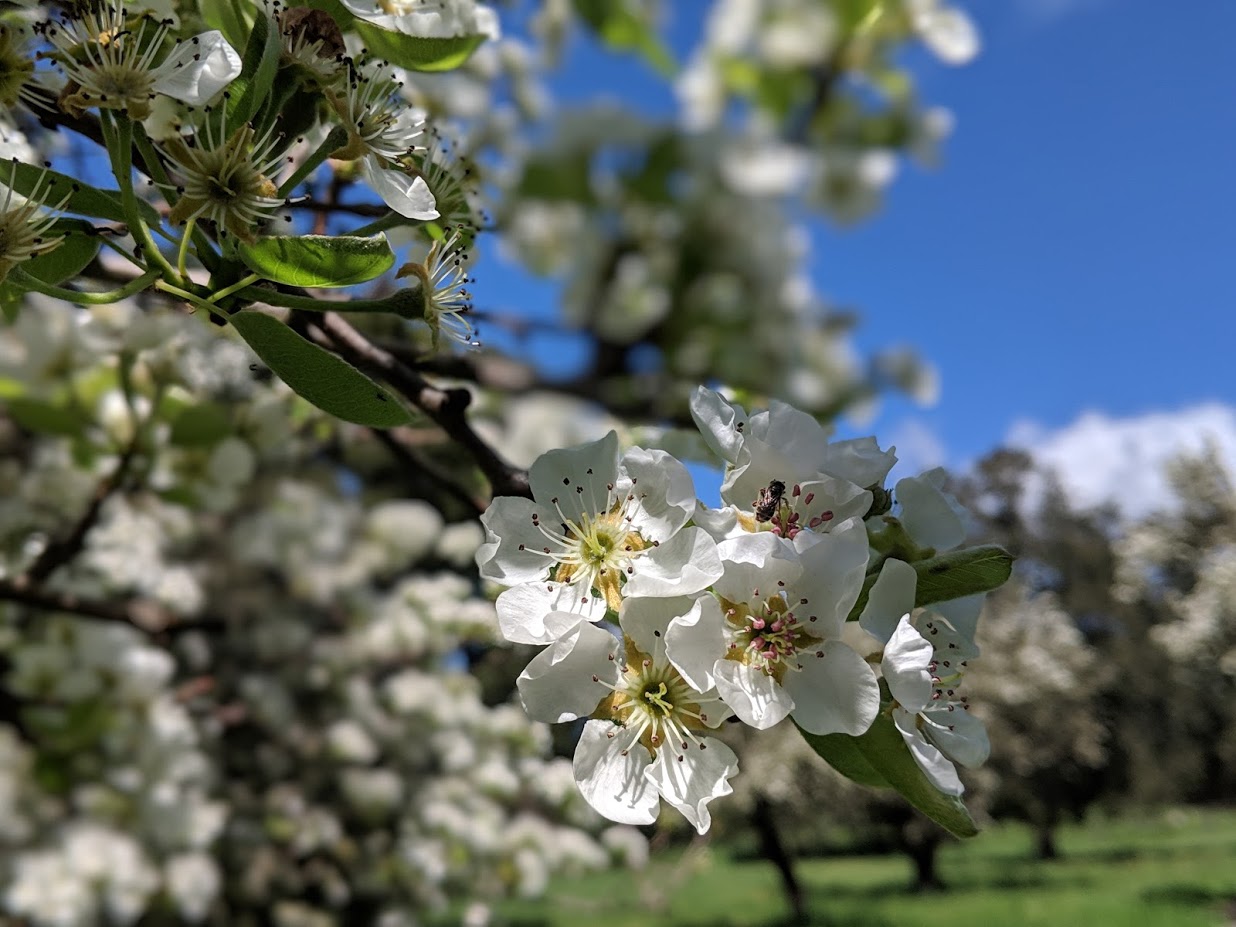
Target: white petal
(833, 500)
(932, 517)
(407, 195)
(540, 613)
(716, 418)
(695, 641)
(799, 436)
(578, 477)
(950, 34)
(932, 762)
(835, 693)
(719, 523)
(962, 614)
(685, 564)
(558, 685)
(756, 561)
(906, 658)
(757, 698)
(891, 597)
(833, 570)
(508, 525)
(198, 69)
(665, 489)
(690, 780)
(858, 460)
(959, 735)
(615, 785)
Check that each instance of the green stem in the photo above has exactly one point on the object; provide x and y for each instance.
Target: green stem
(191, 298)
(395, 303)
(336, 139)
(266, 116)
(381, 225)
(118, 136)
(182, 252)
(234, 288)
(28, 281)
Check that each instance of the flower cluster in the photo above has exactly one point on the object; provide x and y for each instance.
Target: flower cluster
(287, 730)
(663, 617)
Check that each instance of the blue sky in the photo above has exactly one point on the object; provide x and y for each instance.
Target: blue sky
(1073, 253)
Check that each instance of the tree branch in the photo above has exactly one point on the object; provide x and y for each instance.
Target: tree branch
(59, 552)
(446, 407)
(143, 614)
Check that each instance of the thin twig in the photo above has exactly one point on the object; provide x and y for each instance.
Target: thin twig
(143, 614)
(60, 552)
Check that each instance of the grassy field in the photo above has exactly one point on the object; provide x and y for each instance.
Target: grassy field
(1174, 870)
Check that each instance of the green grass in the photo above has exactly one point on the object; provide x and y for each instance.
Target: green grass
(1173, 870)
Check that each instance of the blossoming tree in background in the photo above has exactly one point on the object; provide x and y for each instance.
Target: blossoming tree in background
(267, 532)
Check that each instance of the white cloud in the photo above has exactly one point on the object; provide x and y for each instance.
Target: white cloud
(919, 448)
(1100, 459)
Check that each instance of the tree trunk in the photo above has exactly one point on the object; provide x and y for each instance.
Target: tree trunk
(773, 849)
(1046, 836)
(922, 852)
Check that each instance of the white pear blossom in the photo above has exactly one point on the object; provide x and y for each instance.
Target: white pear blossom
(784, 456)
(924, 670)
(784, 613)
(933, 517)
(946, 30)
(443, 279)
(381, 128)
(601, 527)
(110, 63)
(644, 741)
(428, 18)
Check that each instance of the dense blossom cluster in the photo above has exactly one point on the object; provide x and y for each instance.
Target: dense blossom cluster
(294, 734)
(664, 617)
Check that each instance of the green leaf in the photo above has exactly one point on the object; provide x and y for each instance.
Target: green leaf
(417, 53)
(330, 383)
(882, 753)
(83, 199)
(231, 17)
(201, 425)
(249, 91)
(319, 260)
(45, 417)
(961, 573)
(68, 258)
(623, 29)
(950, 576)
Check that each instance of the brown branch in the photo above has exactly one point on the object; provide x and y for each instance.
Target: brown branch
(143, 614)
(447, 407)
(59, 552)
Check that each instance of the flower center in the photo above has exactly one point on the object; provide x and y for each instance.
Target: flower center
(768, 634)
(654, 703)
(596, 549)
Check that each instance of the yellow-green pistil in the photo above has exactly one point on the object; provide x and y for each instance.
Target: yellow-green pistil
(652, 700)
(596, 550)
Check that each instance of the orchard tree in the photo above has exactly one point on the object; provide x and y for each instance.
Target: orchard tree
(1038, 689)
(1178, 565)
(276, 519)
